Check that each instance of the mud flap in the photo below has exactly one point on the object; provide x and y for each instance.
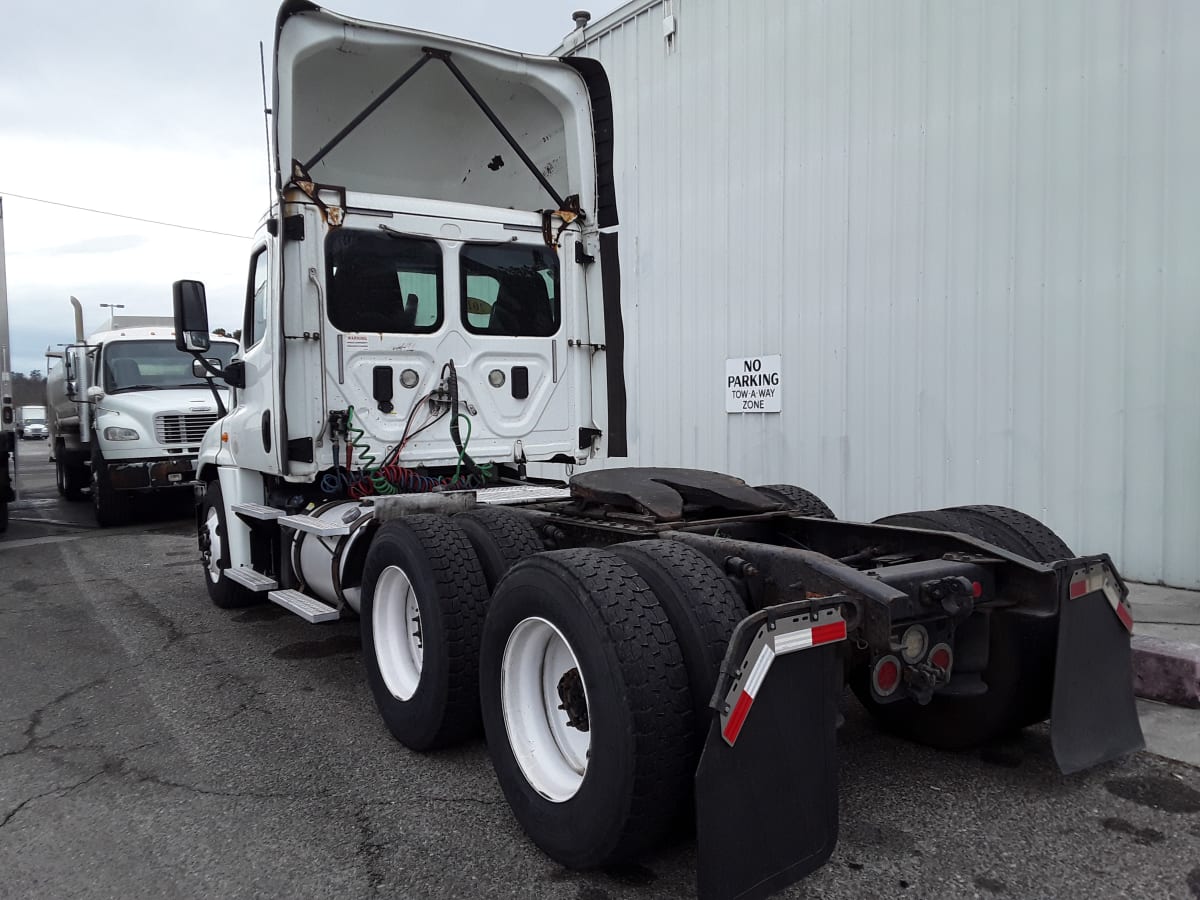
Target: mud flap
(1093, 718)
(766, 785)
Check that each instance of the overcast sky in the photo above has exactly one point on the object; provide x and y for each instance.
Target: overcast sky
(154, 110)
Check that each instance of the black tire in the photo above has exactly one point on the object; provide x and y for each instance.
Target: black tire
(702, 607)
(68, 478)
(222, 591)
(436, 557)
(1020, 669)
(1016, 532)
(639, 706)
(798, 500)
(501, 538)
(113, 507)
(3, 516)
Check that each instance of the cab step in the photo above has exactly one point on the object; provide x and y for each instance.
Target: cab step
(313, 525)
(257, 511)
(308, 608)
(251, 580)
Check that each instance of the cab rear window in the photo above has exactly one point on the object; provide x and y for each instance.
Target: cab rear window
(510, 289)
(382, 282)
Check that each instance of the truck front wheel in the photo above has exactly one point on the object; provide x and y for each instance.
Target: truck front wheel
(586, 706)
(214, 554)
(113, 507)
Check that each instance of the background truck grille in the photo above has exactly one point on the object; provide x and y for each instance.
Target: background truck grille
(182, 429)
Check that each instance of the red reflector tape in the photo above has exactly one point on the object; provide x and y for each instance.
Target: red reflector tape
(737, 718)
(1079, 587)
(823, 634)
(1125, 616)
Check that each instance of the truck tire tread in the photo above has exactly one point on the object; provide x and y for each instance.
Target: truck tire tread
(798, 500)
(434, 550)
(501, 538)
(640, 647)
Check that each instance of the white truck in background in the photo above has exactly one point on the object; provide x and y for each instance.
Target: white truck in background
(31, 423)
(126, 412)
(8, 445)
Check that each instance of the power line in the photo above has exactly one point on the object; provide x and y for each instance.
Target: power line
(103, 212)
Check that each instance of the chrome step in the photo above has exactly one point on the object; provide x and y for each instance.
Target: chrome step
(313, 525)
(248, 578)
(257, 511)
(306, 607)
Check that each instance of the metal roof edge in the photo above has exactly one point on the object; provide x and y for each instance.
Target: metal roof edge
(604, 24)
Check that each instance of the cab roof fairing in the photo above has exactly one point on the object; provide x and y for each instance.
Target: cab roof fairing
(429, 139)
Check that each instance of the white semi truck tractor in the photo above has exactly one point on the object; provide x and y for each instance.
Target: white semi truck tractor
(433, 306)
(8, 445)
(126, 412)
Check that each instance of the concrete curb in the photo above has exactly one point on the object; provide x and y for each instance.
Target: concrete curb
(1166, 671)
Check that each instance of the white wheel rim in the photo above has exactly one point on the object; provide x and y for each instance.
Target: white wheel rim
(211, 523)
(552, 752)
(396, 628)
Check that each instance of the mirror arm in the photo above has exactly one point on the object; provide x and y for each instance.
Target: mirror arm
(222, 412)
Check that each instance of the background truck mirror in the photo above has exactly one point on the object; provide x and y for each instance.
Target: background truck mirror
(200, 370)
(191, 316)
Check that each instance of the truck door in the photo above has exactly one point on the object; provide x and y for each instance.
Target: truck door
(253, 424)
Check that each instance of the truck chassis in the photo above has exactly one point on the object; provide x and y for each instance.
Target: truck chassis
(646, 639)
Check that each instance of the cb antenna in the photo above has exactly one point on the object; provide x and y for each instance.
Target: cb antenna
(262, 63)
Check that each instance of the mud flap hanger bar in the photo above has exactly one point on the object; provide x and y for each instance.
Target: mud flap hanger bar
(444, 55)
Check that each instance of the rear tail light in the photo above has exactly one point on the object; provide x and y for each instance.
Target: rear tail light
(942, 657)
(885, 676)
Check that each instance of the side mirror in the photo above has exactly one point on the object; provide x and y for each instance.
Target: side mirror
(200, 370)
(191, 316)
(95, 392)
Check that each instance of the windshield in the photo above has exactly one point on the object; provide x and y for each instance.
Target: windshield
(155, 365)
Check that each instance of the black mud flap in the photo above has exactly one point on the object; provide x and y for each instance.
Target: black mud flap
(1093, 718)
(767, 800)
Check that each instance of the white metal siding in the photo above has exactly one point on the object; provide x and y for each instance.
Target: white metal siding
(972, 229)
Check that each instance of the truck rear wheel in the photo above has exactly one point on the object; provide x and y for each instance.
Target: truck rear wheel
(423, 603)
(1020, 669)
(702, 607)
(798, 500)
(214, 554)
(501, 538)
(586, 706)
(113, 507)
(68, 477)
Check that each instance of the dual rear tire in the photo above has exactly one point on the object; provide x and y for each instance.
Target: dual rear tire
(589, 670)
(1020, 667)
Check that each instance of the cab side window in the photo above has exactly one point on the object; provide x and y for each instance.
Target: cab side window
(255, 325)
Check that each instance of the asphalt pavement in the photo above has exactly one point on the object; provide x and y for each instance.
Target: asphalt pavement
(152, 745)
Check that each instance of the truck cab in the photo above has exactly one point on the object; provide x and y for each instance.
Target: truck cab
(127, 413)
(425, 301)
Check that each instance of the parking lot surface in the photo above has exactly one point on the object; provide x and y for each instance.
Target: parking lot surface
(152, 745)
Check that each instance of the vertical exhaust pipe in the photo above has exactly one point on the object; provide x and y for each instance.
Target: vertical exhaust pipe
(78, 320)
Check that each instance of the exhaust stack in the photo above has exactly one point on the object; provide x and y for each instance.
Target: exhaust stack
(78, 320)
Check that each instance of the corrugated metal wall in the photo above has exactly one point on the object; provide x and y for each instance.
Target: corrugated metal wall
(972, 230)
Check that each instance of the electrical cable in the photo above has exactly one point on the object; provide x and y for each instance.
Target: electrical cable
(104, 212)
